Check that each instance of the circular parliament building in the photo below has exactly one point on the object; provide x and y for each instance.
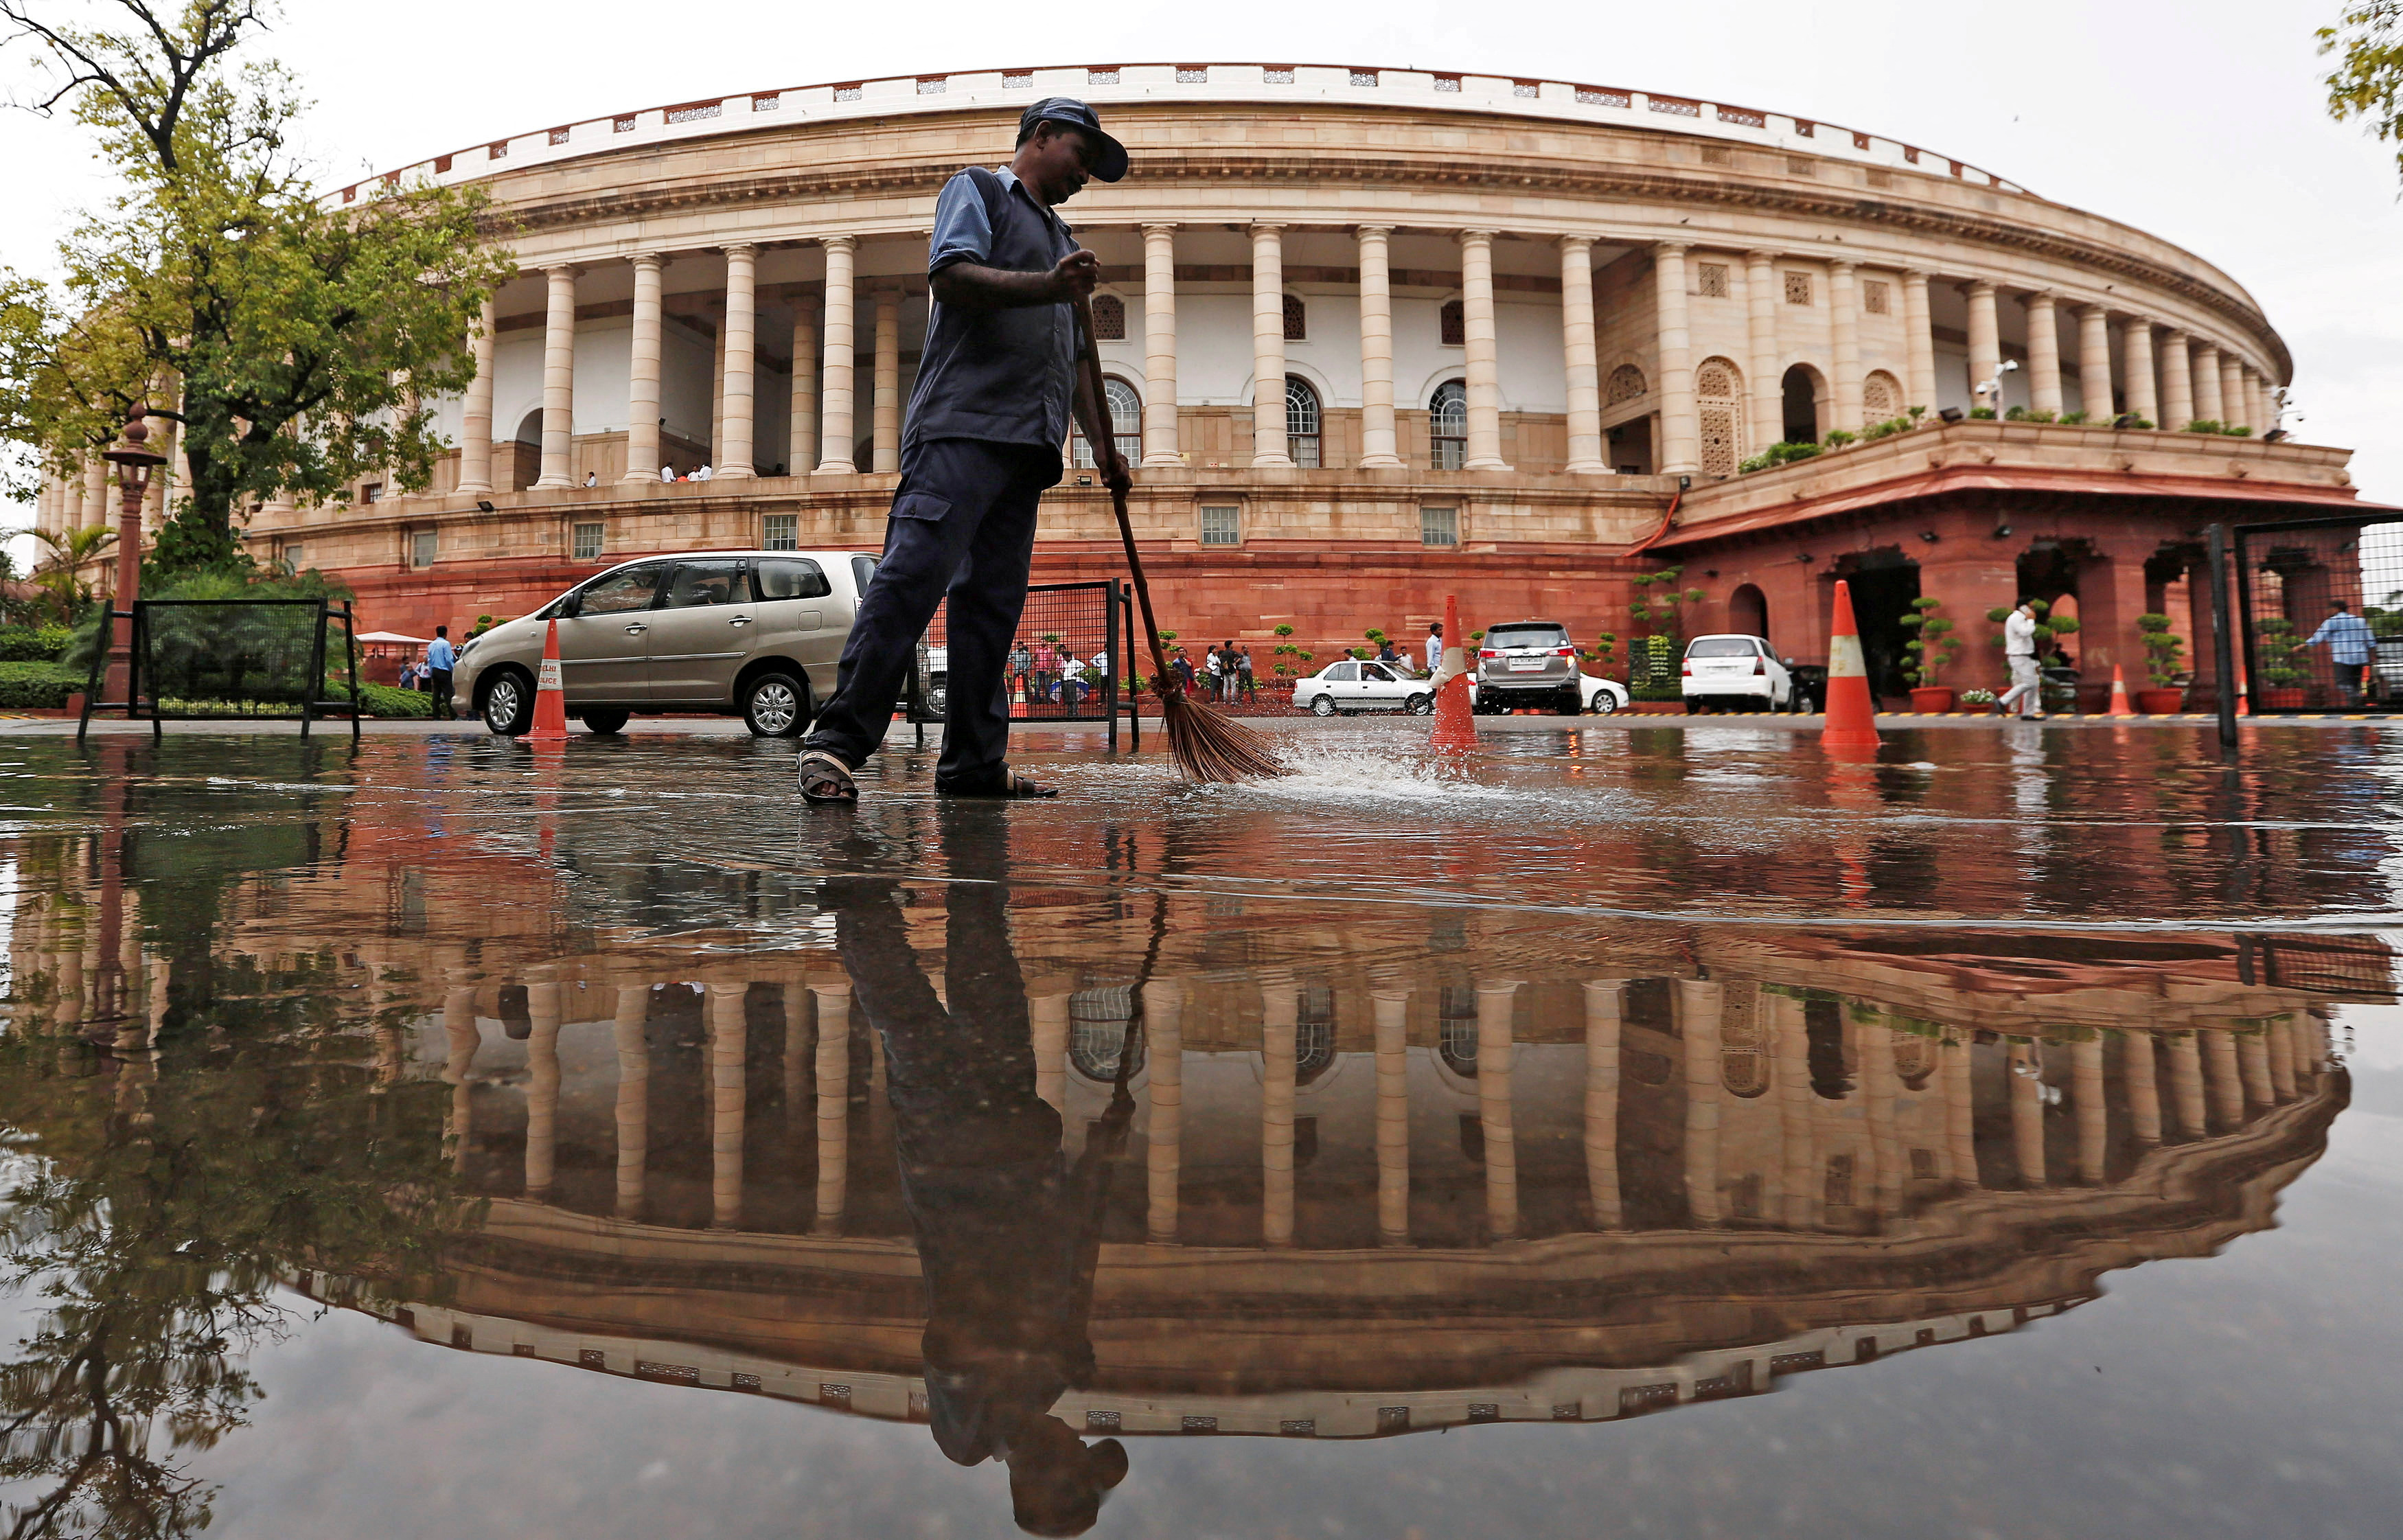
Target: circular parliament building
(1372, 337)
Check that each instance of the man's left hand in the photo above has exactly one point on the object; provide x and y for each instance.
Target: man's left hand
(1116, 476)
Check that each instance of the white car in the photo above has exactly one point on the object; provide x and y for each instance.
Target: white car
(1355, 685)
(1737, 673)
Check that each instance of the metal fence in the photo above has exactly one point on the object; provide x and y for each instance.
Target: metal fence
(2301, 651)
(195, 658)
(1068, 661)
(2359, 967)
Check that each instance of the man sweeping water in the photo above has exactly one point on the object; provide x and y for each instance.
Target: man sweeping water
(996, 383)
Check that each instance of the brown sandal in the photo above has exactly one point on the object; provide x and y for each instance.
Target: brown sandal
(826, 779)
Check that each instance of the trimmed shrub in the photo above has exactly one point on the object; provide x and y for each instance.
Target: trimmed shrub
(38, 685)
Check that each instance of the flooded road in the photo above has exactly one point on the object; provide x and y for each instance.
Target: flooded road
(1645, 1132)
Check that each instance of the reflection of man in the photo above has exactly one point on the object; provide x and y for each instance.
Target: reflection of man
(2348, 639)
(1008, 1233)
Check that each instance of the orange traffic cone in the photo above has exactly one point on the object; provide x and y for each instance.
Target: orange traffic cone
(1455, 725)
(1851, 715)
(2244, 696)
(2119, 706)
(550, 698)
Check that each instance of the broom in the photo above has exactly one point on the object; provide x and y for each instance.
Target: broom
(1207, 747)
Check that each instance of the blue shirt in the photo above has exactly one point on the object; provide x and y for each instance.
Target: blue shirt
(1006, 375)
(439, 656)
(2348, 636)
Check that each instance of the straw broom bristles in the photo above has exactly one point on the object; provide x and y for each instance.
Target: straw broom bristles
(1206, 746)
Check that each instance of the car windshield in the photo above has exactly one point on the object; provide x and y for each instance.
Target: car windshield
(1723, 646)
(1527, 636)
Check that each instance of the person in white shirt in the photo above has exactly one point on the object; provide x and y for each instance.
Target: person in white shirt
(667, 473)
(2019, 650)
(592, 478)
(702, 475)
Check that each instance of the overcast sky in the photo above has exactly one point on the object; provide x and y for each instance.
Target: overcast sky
(2200, 120)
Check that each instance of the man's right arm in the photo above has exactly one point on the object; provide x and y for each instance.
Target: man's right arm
(970, 286)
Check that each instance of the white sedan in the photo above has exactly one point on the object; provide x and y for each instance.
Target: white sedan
(1735, 671)
(1355, 685)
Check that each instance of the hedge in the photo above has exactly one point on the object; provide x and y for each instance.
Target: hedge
(38, 686)
(33, 644)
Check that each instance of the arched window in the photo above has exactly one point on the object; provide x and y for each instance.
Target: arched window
(1749, 611)
(1313, 1034)
(1125, 422)
(1914, 1059)
(1718, 400)
(1448, 424)
(1097, 1031)
(1456, 1028)
(1880, 396)
(1453, 322)
(1743, 1042)
(1297, 320)
(1301, 421)
(1801, 389)
(1626, 385)
(1109, 318)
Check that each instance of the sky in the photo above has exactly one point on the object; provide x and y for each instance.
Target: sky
(2201, 121)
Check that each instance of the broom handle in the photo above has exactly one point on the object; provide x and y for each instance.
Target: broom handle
(1103, 453)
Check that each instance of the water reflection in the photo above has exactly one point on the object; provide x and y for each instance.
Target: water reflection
(1401, 1170)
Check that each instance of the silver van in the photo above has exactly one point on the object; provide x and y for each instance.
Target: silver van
(750, 632)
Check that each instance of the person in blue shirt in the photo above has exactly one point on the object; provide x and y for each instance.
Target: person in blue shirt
(997, 380)
(439, 660)
(2350, 644)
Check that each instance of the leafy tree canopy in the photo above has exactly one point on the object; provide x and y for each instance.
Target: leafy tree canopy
(2367, 81)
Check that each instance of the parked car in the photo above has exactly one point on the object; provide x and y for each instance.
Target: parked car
(1529, 663)
(1351, 686)
(1810, 685)
(754, 634)
(1604, 696)
(1735, 673)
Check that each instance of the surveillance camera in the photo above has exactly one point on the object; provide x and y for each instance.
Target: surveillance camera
(2009, 365)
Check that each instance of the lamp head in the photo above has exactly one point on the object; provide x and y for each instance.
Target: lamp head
(132, 455)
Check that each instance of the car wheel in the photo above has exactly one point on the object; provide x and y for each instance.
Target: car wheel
(1571, 703)
(1418, 705)
(606, 722)
(1693, 706)
(1323, 706)
(775, 705)
(1604, 704)
(509, 703)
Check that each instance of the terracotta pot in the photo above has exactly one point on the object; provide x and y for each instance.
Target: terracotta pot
(1932, 700)
(2160, 702)
(2282, 698)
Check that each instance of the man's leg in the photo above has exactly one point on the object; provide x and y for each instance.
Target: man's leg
(442, 707)
(947, 487)
(987, 594)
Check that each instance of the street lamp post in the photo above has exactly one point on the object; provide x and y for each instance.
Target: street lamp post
(134, 461)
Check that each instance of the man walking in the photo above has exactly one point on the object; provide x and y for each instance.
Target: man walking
(2019, 650)
(997, 380)
(2351, 645)
(1244, 675)
(439, 660)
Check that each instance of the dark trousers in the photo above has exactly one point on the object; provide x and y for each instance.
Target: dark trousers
(962, 524)
(443, 709)
(2348, 679)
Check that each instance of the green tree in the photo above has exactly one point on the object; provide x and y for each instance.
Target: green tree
(2367, 81)
(1934, 645)
(296, 340)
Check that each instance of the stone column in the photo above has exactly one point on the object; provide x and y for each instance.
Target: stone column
(2208, 402)
(1681, 428)
(729, 1036)
(2177, 381)
(1046, 1017)
(643, 380)
(2282, 1060)
(1269, 446)
(2231, 389)
(2086, 1094)
(718, 389)
(834, 1104)
(800, 1043)
(459, 1028)
(1985, 345)
(2219, 1072)
(1497, 999)
(1601, 1032)
(542, 1088)
(1960, 1111)
(2264, 404)
(2253, 1061)
(2136, 1067)
(1700, 1003)
(736, 451)
(1577, 343)
(2136, 360)
(559, 380)
(2027, 1113)
(1766, 406)
(835, 395)
(1877, 1101)
(1844, 310)
(1392, 1006)
(887, 426)
(2094, 363)
(476, 415)
(1798, 1147)
(1919, 339)
(633, 1096)
(1279, 1029)
(1163, 1030)
(804, 452)
(1379, 448)
(1483, 350)
(2185, 1084)
(1159, 424)
(2044, 353)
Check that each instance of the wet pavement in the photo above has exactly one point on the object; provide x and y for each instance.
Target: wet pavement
(1644, 1129)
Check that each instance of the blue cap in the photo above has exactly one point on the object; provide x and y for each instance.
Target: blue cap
(1110, 157)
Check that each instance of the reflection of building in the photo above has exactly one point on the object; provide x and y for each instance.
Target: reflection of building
(1375, 334)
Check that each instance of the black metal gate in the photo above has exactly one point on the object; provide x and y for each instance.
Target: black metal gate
(2319, 606)
(196, 660)
(1068, 662)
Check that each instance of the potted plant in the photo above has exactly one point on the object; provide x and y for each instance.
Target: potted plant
(2281, 656)
(1979, 699)
(2164, 662)
(1930, 650)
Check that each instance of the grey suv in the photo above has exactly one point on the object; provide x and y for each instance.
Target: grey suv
(1528, 663)
(748, 633)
